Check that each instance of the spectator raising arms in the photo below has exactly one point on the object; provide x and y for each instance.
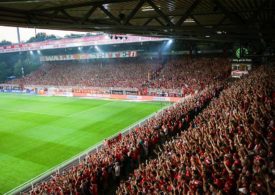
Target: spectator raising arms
(228, 149)
(118, 158)
(217, 141)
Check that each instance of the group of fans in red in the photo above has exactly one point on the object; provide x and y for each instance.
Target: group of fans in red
(218, 140)
(178, 77)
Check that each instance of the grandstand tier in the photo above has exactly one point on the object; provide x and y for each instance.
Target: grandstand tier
(171, 97)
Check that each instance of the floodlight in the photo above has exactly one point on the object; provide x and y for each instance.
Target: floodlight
(170, 41)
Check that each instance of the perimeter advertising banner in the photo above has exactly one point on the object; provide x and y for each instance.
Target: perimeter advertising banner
(120, 54)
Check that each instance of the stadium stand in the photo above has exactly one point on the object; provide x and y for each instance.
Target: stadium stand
(218, 138)
(97, 172)
(178, 77)
(228, 152)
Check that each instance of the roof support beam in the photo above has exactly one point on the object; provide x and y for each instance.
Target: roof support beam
(43, 20)
(221, 22)
(19, 14)
(256, 13)
(188, 12)
(29, 19)
(166, 18)
(197, 22)
(147, 21)
(55, 13)
(159, 21)
(155, 29)
(134, 11)
(111, 16)
(77, 5)
(88, 14)
(234, 17)
(68, 15)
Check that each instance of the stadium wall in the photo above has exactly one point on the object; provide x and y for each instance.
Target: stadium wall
(128, 97)
(97, 93)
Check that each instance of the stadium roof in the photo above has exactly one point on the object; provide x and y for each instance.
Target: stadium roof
(224, 20)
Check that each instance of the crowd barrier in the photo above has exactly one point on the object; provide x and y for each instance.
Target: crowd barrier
(128, 97)
(97, 96)
(168, 95)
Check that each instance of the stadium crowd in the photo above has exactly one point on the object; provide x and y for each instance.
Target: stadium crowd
(85, 74)
(219, 140)
(191, 74)
(98, 171)
(228, 149)
(184, 76)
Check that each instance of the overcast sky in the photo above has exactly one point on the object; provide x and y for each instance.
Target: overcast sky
(10, 33)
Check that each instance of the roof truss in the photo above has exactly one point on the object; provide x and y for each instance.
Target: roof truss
(160, 21)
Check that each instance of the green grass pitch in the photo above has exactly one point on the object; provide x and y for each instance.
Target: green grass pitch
(37, 133)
